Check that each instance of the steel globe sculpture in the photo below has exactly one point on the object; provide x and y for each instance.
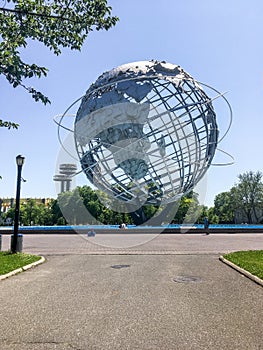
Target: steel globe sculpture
(146, 133)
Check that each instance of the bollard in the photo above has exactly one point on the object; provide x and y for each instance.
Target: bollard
(19, 242)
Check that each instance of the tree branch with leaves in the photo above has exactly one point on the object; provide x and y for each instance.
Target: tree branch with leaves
(56, 24)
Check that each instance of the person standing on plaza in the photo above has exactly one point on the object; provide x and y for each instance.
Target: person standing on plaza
(206, 225)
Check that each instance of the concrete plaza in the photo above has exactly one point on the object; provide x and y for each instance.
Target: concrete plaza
(128, 243)
(170, 292)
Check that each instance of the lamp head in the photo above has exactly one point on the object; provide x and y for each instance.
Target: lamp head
(20, 160)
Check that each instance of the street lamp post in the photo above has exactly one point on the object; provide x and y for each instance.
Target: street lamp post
(19, 161)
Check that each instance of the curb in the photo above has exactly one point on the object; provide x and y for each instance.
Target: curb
(242, 271)
(24, 268)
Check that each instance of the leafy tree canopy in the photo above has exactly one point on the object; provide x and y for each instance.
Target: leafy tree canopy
(245, 198)
(247, 195)
(224, 208)
(57, 24)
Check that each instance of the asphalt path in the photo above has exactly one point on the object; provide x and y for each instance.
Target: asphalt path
(128, 243)
(171, 292)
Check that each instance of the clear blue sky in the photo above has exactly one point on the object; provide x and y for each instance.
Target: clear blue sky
(217, 42)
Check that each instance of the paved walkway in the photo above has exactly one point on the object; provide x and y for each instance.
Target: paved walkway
(185, 300)
(138, 244)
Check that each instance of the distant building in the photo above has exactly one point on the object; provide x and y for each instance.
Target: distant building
(66, 172)
(8, 203)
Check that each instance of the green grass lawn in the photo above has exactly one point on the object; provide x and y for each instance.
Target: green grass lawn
(251, 261)
(10, 262)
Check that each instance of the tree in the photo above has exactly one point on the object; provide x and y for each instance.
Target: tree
(245, 200)
(212, 217)
(29, 212)
(188, 209)
(247, 196)
(224, 208)
(56, 24)
(182, 210)
(72, 208)
(32, 213)
(194, 209)
(57, 216)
